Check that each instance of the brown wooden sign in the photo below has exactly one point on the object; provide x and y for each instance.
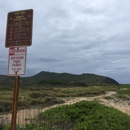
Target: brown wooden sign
(19, 28)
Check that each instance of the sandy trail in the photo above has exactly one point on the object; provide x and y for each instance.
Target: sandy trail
(24, 116)
(116, 103)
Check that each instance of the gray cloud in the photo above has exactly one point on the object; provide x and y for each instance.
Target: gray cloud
(75, 36)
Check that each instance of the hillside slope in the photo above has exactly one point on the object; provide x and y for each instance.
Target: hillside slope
(89, 79)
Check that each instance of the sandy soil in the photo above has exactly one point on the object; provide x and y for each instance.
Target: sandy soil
(25, 116)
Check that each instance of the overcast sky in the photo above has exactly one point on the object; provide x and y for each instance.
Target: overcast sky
(74, 36)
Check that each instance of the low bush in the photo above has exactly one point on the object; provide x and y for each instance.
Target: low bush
(108, 97)
(124, 92)
(86, 116)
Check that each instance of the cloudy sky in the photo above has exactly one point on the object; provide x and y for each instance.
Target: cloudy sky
(74, 36)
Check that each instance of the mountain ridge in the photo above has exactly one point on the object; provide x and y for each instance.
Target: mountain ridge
(87, 78)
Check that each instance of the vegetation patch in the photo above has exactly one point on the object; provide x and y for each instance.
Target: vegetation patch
(46, 95)
(108, 97)
(124, 92)
(86, 116)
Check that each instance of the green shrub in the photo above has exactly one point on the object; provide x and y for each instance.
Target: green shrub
(108, 97)
(86, 116)
(35, 95)
(8, 127)
(124, 92)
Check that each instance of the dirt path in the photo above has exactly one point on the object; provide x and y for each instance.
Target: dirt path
(24, 115)
(116, 103)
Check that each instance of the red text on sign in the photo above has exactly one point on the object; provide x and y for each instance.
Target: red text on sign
(18, 57)
(16, 65)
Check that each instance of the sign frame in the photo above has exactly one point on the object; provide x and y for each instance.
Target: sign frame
(19, 28)
(17, 61)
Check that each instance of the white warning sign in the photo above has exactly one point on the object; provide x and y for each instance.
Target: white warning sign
(17, 61)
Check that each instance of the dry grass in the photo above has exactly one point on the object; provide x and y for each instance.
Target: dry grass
(30, 97)
(35, 97)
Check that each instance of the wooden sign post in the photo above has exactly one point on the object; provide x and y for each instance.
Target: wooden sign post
(15, 103)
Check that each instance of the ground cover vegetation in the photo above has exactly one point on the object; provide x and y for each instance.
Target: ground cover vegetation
(44, 96)
(45, 93)
(84, 115)
(36, 93)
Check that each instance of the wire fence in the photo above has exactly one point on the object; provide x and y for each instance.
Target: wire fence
(29, 116)
(24, 117)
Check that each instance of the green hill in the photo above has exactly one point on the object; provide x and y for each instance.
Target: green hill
(43, 76)
(89, 79)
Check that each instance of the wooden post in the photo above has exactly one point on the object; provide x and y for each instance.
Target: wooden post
(15, 102)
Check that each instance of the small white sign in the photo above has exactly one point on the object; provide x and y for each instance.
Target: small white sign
(17, 61)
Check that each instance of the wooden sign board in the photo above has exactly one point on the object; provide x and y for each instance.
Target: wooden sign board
(19, 28)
